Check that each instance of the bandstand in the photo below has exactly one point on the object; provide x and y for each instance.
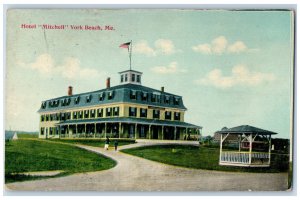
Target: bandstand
(252, 147)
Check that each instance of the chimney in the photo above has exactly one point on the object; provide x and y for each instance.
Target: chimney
(162, 89)
(70, 91)
(108, 82)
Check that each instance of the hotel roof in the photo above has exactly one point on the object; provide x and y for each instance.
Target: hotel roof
(116, 94)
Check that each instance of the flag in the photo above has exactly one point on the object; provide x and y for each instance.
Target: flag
(125, 45)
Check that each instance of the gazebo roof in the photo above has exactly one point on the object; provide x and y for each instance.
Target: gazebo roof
(245, 129)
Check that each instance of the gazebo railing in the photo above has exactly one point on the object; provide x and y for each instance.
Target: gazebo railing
(257, 158)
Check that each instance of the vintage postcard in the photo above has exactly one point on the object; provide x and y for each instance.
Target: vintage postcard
(149, 100)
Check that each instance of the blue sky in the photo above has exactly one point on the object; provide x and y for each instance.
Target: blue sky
(231, 67)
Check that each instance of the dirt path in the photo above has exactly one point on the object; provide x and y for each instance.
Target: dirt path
(137, 174)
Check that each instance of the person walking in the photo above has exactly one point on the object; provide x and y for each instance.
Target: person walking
(106, 143)
(116, 145)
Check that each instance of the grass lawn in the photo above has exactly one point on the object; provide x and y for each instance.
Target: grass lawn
(199, 158)
(27, 135)
(34, 155)
(94, 142)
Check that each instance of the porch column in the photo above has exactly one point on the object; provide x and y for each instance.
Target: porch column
(105, 129)
(69, 131)
(186, 133)
(135, 131)
(76, 129)
(95, 130)
(149, 132)
(120, 130)
(85, 130)
(250, 148)
(175, 128)
(162, 132)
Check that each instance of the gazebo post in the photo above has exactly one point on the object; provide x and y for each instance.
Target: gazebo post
(250, 148)
(221, 142)
(269, 140)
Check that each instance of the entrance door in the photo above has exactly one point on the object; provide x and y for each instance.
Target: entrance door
(131, 131)
(155, 132)
(142, 132)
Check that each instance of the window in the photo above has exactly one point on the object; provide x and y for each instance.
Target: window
(86, 113)
(176, 115)
(62, 116)
(47, 117)
(126, 77)
(68, 101)
(100, 112)
(58, 116)
(138, 78)
(156, 114)
(88, 98)
(57, 131)
(51, 131)
(93, 113)
(62, 102)
(77, 99)
(110, 95)
(101, 96)
(133, 77)
(122, 78)
(43, 105)
(153, 98)
(42, 131)
(132, 94)
(51, 117)
(144, 96)
(80, 114)
(132, 112)
(108, 112)
(176, 100)
(42, 118)
(168, 115)
(143, 112)
(167, 99)
(116, 111)
(74, 115)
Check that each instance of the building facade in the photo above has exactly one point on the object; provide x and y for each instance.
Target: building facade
(128, 110)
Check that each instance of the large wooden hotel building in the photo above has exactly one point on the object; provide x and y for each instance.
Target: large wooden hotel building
(128, 110)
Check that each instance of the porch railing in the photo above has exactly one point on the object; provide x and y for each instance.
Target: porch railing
(258, 158)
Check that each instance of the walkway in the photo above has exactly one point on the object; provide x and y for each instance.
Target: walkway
(137, 174)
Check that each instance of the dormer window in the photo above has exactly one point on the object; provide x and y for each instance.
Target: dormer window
(176, 100)
(43, 106)
(133, 94)
(167, 99)
(144, 96)
(110, 95)
(89, 98)
(62, 102)
(77, 99)
(101, 96)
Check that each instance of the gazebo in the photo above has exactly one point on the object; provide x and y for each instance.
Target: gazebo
(252, 148)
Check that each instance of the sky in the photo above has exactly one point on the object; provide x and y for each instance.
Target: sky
(231, 67)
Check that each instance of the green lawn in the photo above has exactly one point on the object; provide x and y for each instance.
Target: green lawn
(94, 142)
(34, 155)
(199, 158)
(27, 135)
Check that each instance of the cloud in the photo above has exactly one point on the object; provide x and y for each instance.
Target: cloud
(240, 75)
(143, 48)
(220, 46)
(161, 47)
(171, 69)
(70, 68)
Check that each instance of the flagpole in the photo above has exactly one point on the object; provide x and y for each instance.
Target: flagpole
(130, 54)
